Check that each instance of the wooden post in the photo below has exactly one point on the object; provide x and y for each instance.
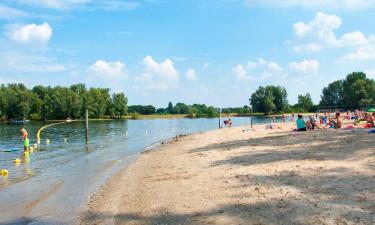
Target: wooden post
(87, 125)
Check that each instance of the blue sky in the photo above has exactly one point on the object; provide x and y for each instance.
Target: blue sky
(215, 52)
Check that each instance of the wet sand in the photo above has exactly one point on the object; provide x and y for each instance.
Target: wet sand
(231, 176)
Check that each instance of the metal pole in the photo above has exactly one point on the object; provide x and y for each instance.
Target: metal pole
(87, 125)
(219, 118)
(251, 112)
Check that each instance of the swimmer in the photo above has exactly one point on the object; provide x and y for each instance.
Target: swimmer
(25, 139)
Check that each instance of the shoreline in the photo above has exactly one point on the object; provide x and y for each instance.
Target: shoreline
(189, 180)
(163, 116)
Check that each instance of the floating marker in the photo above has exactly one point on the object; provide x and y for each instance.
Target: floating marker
(47, 141)
(35, 146)
(31, 149)
(126, 134)
(65, 140)
(17, 162)
(4, 173)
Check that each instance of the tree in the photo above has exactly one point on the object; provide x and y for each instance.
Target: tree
(354, 91)
(269, 99)
(333, 94)
(358, 90)
(305, 103)
(120, 104)
(18, 102)
(170, 107)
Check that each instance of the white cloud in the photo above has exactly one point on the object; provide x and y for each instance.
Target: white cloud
(31, 33)
(274, 67)
(206, 65)
(321, 30)
(158, 76)
(108, 5)
(306, 66)
(117, 5)
(314, 4)
(191, 75)
(108, 70)
(362, 53)
(251, 65)
(240, 72)
(264, 69)
(354, 38)
(25, 63)
(165, 69)
(261, 61)
(54, 4)
(307, 48)
(322, 27)
(9, 13)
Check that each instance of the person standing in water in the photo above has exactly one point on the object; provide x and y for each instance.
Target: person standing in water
(25, 140)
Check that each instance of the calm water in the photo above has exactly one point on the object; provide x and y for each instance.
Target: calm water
(62, 174)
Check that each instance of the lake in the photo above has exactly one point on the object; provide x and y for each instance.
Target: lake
(61, 174)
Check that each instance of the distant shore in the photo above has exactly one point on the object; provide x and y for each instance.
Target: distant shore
(238, 176)
(168, 116)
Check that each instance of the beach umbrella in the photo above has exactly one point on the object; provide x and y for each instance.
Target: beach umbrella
(371, 110)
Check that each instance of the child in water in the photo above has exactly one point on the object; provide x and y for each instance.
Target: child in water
(25, 140)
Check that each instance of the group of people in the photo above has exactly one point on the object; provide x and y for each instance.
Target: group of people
(362, 116)
(328, 120)
(319, 122)
(228, 123)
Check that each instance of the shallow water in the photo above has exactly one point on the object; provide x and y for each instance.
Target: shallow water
(61, 175)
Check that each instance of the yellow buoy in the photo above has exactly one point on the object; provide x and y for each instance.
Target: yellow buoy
(47, 141)
(4, 173)
(17, 161)
(35, 146)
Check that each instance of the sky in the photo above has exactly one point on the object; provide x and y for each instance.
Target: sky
(215, 52)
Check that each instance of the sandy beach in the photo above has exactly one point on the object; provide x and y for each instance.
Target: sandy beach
(231, 176)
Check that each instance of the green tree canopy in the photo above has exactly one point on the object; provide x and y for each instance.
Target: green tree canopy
(305, 103)
(332, 95)
(354, 91)
(269, 99)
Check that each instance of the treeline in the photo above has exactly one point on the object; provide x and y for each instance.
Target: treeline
(192, 111)
(353, 92)
(43, 103)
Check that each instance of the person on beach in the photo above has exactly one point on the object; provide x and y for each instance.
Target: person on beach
(301, 125)
(283, 117)
(25, 139)
(338, 121)
(292, 117)
(370, 120)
